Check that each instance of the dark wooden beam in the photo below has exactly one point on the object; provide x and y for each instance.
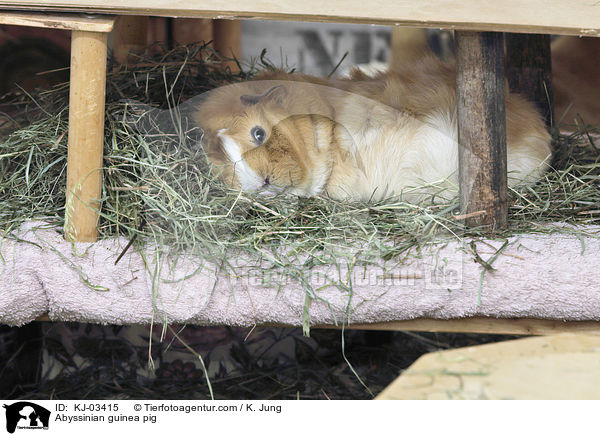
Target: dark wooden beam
(481, 128)
(529, 70)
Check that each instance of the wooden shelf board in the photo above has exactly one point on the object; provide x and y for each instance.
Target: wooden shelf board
(571, 17)
(561, 367)
(521, 326)
(99, 23)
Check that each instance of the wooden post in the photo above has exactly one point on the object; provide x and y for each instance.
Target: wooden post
(190, 30)
(131, 34)
(481, 128)
(227, 37)
(86, 134)
(529, 70)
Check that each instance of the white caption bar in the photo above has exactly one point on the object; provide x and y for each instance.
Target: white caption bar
(315, 418)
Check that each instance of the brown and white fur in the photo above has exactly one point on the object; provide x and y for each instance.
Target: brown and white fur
(362, 138)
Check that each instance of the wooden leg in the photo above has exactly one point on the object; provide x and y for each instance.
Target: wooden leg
(227, 37)
(190, 30)
(130, 34)
(481, 128)
(86, 134)
(529, 70)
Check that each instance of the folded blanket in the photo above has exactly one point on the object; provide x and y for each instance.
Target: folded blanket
(545, 276)
(22, 292)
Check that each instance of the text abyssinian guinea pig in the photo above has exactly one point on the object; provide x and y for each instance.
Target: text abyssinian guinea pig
(361, 138)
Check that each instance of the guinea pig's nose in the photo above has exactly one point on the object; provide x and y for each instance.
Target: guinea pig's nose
(267, 181)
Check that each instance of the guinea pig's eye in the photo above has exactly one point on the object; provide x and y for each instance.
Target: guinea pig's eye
(258, 134)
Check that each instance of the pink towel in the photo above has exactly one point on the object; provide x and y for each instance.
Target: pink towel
(546, 276)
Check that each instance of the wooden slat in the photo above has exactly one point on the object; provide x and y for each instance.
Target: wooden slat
(99, 23)
(481, 128)
(571, 17)
(520, 326)
(551, 367)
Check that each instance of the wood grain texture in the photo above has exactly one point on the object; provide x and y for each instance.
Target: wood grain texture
(86, 134)
(521, 326)
(500, 326)
(570, 17)
(481, 128)
(529, 70)
(65, 21)
(551, 367)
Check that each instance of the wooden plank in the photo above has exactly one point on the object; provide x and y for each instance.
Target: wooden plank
(572, 17)
(481, 128)
(130, 35)
(99, 23)
(86, 134)
(562, 366)
(157, 32)
(228, 40)
(500, 326)
(529, 70)
(521, 326)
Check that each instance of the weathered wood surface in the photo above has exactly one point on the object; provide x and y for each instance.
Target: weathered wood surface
(100, 23)
(481, 128)
(522, 326)
(86, 134)
(494, 326)
(565, 366)
(572, 17)
(529, 70)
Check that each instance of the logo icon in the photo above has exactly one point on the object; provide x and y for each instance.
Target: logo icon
(26, 415)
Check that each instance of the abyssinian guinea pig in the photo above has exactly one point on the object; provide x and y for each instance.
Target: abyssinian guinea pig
(361, 138)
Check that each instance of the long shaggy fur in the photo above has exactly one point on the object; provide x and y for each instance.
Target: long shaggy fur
(363, 138)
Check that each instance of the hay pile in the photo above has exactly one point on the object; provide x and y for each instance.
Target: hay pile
(158, 187)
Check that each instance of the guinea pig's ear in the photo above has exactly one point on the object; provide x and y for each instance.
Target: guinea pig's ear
(276, 93)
